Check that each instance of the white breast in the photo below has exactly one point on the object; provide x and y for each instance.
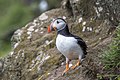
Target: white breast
(68, 47)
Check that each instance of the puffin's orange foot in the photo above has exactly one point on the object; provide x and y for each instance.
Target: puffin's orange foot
(73, 67)
(66, 70)
(78, 63)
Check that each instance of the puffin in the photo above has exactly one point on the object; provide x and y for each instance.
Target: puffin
(71, 46)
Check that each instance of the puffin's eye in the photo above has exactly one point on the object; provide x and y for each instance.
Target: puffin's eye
(58, 22)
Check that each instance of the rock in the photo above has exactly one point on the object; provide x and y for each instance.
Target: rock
(43, 17)
(80, 19)
(84, 23)
(1, 66)
(97, 31)
(16, 37)
(35, 57)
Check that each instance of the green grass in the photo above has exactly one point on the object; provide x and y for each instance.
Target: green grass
(111, 58)
(5, 49)
(108, 77)
(14, 14)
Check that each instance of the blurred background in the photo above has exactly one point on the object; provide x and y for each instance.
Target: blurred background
(15, 14)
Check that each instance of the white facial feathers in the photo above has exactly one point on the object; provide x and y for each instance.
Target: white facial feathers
(59, 24)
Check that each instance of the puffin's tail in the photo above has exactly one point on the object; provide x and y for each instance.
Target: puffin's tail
(84, 55)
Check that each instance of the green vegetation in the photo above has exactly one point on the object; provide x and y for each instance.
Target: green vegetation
(13, 15)
(111, 58)
(6, 47)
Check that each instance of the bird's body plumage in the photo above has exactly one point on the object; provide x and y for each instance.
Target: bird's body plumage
(69, 45)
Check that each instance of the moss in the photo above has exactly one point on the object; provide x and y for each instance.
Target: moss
(40, 41)
(108, 77)
(79, 27)
(94, 42)
(86, 8)
(51, 45)
(49, 65)
(44, 76)
(53, 61)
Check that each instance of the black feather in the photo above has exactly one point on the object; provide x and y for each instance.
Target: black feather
(81, 43)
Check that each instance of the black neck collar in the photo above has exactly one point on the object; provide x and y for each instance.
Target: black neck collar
(64, 32)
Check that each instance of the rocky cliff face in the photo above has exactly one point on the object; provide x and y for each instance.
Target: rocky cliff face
(34, 55)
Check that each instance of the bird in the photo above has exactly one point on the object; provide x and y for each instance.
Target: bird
(71, 46)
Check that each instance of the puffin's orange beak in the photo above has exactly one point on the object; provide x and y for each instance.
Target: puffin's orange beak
(49, 30)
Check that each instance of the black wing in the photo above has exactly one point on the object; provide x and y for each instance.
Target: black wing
(81, 43)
